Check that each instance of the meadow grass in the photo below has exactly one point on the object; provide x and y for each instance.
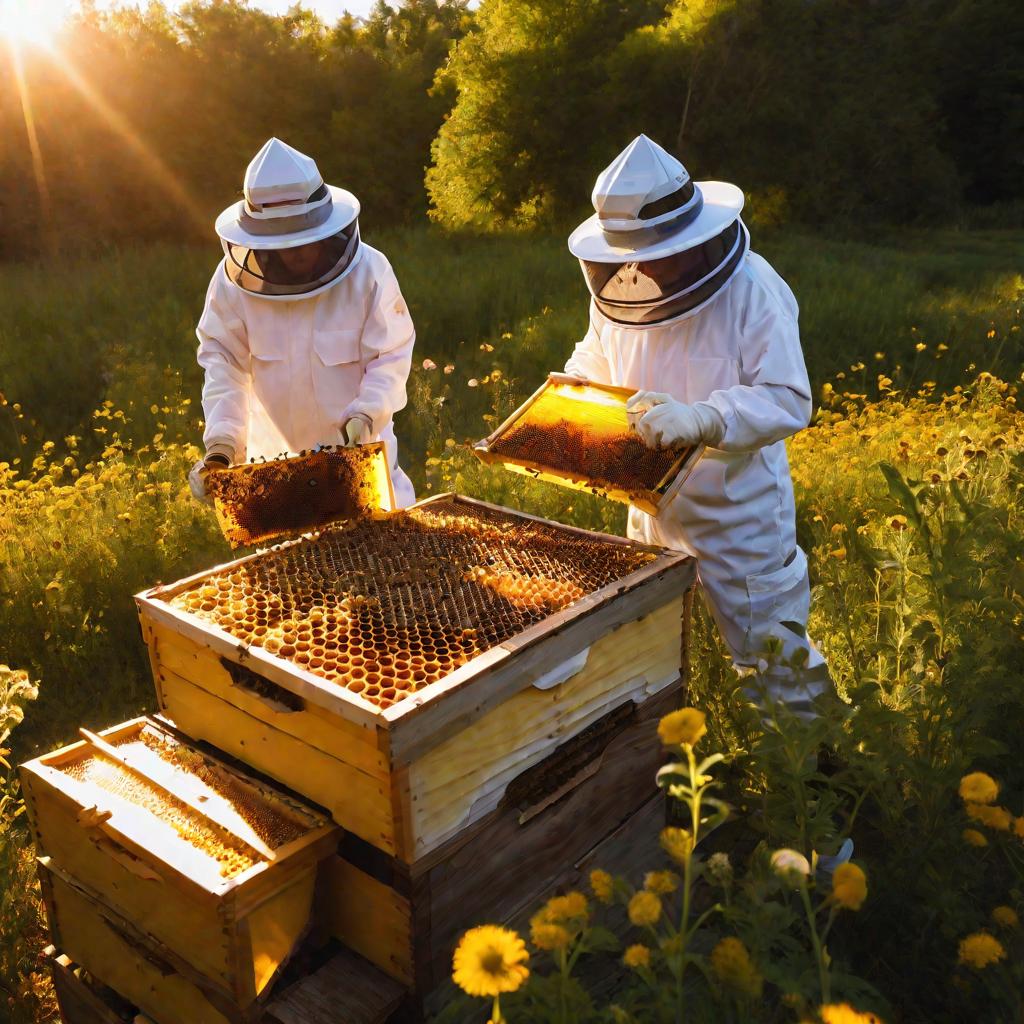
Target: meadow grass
(921, 622)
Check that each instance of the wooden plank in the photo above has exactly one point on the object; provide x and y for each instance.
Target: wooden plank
(78, 1002)
(462, 779)
(354, 744)
(370, 918)
(345, 990)
(506, 866)
(356, 801)
(445, 708)
(166, 780)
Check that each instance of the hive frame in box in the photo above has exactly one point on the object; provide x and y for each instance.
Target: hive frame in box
(216, 936)
(652, 501)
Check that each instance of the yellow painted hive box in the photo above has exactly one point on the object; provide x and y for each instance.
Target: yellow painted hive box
(402, 671)
(214, 871)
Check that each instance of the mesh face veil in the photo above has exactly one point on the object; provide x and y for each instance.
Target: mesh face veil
(294, 271)
(653, 291)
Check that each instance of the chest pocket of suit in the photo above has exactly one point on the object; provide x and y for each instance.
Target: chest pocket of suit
(337, 367)
(706, 375)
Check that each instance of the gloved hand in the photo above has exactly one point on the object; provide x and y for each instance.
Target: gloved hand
(356, 430)
(217, 456)
(663, 422)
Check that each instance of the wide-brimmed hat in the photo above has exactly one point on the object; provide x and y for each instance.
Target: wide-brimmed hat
(660, 245)
(286, 205)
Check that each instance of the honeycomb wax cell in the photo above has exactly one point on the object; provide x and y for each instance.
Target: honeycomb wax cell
(386, 607)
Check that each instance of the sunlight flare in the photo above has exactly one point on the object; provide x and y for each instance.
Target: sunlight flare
(35, 22)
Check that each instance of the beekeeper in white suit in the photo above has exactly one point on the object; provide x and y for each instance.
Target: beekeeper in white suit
(305, 337)
(707, 332)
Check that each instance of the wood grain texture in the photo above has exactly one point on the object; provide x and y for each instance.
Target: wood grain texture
(78, 1002)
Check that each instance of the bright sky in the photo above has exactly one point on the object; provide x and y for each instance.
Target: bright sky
(329, 10)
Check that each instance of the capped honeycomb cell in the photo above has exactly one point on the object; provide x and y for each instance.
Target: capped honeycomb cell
(385, 607)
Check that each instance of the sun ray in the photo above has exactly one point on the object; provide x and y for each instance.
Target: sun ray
(162, 175)
(38, 170)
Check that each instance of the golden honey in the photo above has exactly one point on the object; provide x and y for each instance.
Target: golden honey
(385, 607)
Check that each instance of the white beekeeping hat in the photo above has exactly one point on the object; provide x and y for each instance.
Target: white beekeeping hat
(649, 210)
(286, 205)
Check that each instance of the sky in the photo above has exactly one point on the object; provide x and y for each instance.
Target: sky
(329, 10)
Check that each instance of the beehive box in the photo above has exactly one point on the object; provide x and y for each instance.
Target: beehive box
(401, 672)
(207, 864)
(440, 675)
(576, 433)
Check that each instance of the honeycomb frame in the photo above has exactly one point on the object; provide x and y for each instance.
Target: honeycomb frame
(576, 433)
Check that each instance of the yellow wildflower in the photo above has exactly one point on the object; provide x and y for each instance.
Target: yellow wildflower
(661, 882)
(545, 935)
(1005, 917)
(602, 885)
(1018, 827)
(998, 818)
(644, 909)
(978, 788)
(844, 1013)
(490, 960)
(974, 838)
(677, 843)
(683, 727)
(838, 553)
(849, 886)
(571, 906)
(979, 950)
(637, 956)
(732, 965)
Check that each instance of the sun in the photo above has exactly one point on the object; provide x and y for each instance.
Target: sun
(32, 21)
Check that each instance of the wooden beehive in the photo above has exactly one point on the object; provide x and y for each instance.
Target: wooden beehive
(576, 433)
(154, 846)
(551, 632)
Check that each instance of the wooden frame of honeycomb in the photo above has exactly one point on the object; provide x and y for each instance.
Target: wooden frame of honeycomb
(218, 869)
(576, 433)
(265, 500)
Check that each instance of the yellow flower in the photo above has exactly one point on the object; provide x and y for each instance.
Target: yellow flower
(1005, 917)
(974, 838)
(570, 907)
(677, 843)
(661, 882)
(637, 956)
(898, 522)
(685, 726)
(1018, 827)
(998, 818)
(838, 553)
(979, 950)
(732, 965)
(602, 885)
(545, 935)
(978, 788)
(849, 886)
(644, 908)
(844, 1013)
(490, 960)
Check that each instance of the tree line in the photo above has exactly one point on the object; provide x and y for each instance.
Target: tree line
(137, 125)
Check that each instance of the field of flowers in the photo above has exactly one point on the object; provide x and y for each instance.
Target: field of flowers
(909, 489)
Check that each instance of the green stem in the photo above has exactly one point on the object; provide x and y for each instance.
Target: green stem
(561, 987)
(819, 953)
(496, 1017)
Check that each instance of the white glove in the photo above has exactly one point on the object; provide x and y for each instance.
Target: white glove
(663, 422)
(217, 455)
(356, 430)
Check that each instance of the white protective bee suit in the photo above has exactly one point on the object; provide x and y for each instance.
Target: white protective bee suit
(726, 363)
(293, 362)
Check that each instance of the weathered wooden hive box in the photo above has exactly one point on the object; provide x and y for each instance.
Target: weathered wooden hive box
(178, 879)
(418, 674)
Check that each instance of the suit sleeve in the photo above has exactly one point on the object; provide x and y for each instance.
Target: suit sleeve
(224, 356)
(774, 399)
(386, 351)
(588, 359)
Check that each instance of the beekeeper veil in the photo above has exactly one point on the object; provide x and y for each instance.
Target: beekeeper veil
(660, 246)
(292, 235)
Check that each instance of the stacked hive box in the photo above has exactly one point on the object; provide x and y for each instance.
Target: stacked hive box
(449, 683)
(180, 881)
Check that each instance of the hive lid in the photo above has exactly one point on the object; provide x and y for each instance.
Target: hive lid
(157, 795)
(286, 497)
(576, 433)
